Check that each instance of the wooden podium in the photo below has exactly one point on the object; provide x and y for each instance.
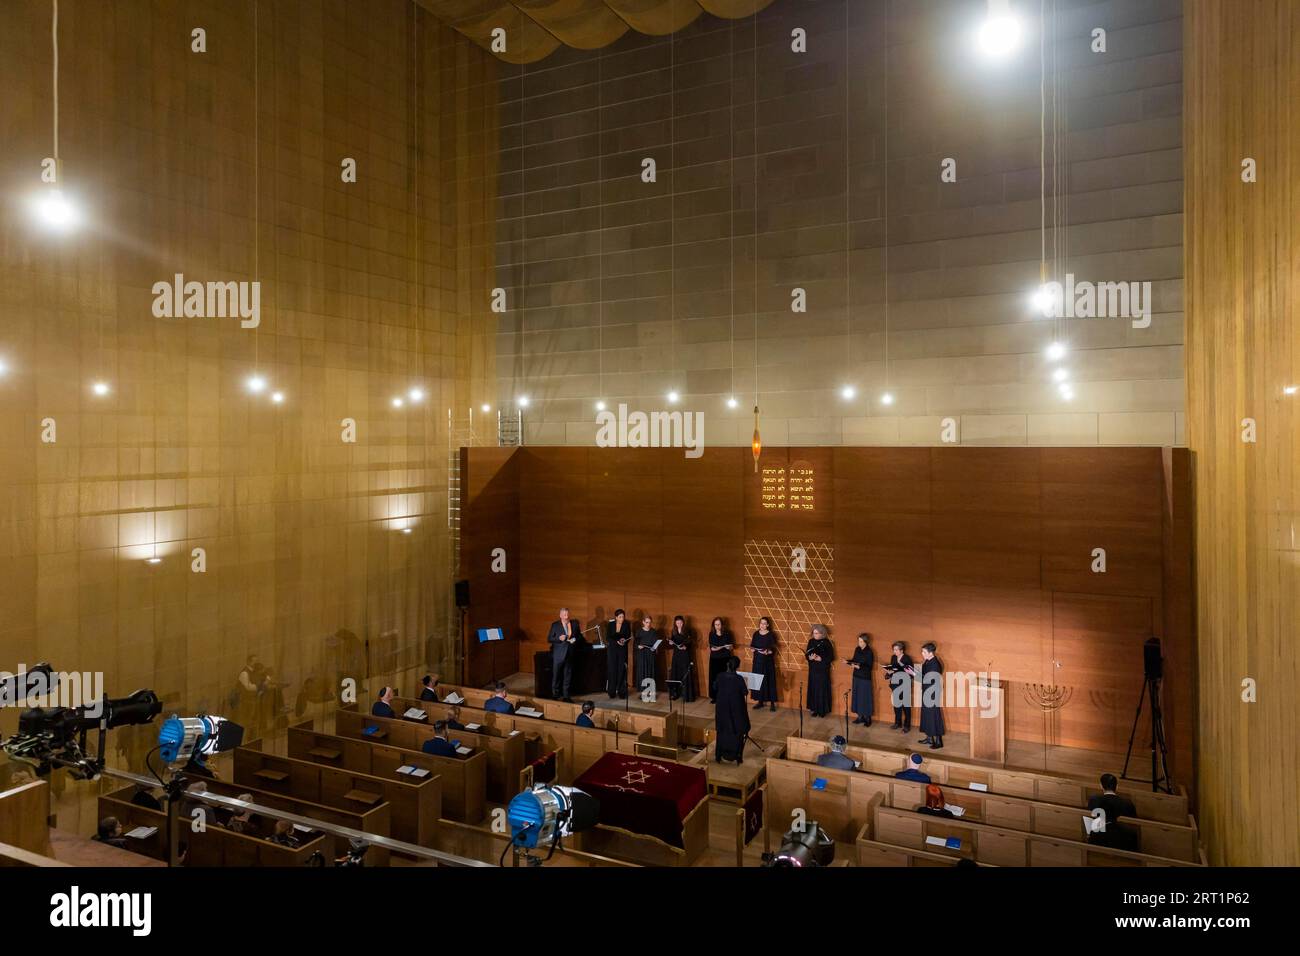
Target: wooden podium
(988, 734)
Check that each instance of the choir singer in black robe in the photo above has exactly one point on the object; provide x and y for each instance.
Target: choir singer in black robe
(820, 654)
(763, 643)
(730, 718)
(683, 666)
(861, 664)
(899, 673)
(645, 653)
(618, 635)
(720, 645)
(931, 698)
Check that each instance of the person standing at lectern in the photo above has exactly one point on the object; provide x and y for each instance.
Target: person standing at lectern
(618, 635)
(899, 673)
(562, 637)
(931, 698)
(763, 643)
(646, 638)
(861, 663)
(730, 718)
(720, 645)
(820, 654)
(681, 669)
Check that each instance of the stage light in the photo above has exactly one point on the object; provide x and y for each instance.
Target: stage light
(485, 408)
(277, 397)
(54, 211)
(1056, 351)
(848, 392)
(100, 388)
(999, 34)
(732, 403)
(255, 384)
(397, 402)
(523, 401)
(600, 406)
(887, 398)
(672, 398)
(1060, 375)
(415, 394)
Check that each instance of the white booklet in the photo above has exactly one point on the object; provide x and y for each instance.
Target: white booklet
(528, 712)
(464, 751)
(655, 646)
(752, 681)
(473, 726)
(955, 810)
(141, 833)
(984, 787)
(415, 713)
(453, 698)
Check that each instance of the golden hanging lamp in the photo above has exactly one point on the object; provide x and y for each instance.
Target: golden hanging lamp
(757, 443)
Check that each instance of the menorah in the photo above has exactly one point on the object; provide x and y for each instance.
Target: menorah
(1050, 699)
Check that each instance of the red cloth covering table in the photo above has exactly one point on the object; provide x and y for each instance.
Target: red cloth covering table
(643, 795)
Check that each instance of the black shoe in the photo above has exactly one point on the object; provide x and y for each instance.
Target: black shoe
(867, 722)
(568, 700)
(774, 708)
(895, 726)
(926, 740)
(938, 744)
(759, 705)
(712, 701)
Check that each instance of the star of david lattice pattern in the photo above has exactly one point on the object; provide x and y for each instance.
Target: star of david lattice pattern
(794, 600)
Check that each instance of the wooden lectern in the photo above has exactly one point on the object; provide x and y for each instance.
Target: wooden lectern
(988, 734)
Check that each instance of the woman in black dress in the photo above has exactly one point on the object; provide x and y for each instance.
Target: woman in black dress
(645, 653)
(720, 645)
(931, 698)
(820, 654)
(618, 635)
(682, 667)
(764, 644)
(899, 672)
(861, 664)
(731, 720)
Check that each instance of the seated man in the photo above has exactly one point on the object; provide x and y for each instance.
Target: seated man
(430, 691)
(584, 718)
(913, 771)
(383, 706)
(1105, 829)
(439, 745)
(453, 718)
(837, 759)
(110, 833)
(497, 703)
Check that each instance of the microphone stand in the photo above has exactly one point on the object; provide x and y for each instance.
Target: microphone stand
(846, 715)
(800, 708)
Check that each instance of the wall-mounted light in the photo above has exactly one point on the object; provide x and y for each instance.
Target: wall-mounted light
(255, 384)
(600, 406)
(848, 392)
(887, 398)
(100, 388)
(277, 397)
(673, 397)
(485, 408)
(397, 401)
(1288, 390)
(415, 394)
(523, 401)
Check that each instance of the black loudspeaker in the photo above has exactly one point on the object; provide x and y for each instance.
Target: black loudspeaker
(462, 594)
(1152, 663)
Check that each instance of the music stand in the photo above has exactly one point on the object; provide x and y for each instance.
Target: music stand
(492, 635)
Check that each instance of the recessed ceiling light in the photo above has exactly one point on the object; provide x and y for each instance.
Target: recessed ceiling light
(485, 408)
(887, 398)
(100, 388)
(397, 402)
(255, 384)
(672, 397)
(415, 394)
(848, 392)
(523, 401)
(277, 397)
(600, 406)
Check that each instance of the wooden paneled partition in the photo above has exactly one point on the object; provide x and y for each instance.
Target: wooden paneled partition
(1242, 87)
(989, 552)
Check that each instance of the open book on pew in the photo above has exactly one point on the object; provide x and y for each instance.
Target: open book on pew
(464, 751)
(453, 698)
(141, 833)
(950, 843)
(415, 713)
(528, 712)
(417, 772)
(474, 728)
(955, 810)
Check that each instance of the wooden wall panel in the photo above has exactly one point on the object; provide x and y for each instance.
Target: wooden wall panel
(1243, 291)
(949, 545)
(223, 168)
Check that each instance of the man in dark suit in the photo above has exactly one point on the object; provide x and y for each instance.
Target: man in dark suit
(913, 771)
(584, 718)
(383, 706)
(497, 703)
(1105, 829)
(438, 745)
(562, 637)
(430, 691)
(837, 759)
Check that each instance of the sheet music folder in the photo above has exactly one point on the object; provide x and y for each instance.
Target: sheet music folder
(752, 681)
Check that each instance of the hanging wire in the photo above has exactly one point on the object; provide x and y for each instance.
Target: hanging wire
(672, 206)
(755, 128)
(600, 220)
(54, 40)
(886, 201)
(731, 198)
(848, 292)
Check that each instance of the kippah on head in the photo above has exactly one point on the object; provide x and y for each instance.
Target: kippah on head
(916, 758)
(838, 741)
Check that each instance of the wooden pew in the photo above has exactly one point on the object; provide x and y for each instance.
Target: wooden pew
(1000, 845)
(214, 846)
(1070, 791)
(846, 803)
(869, 852)
(463, 779)
(630, 720)
(504, 753)
(13, 856)
(24, 817)
(415, 806)
(579, 747)
(375, 819)
(481, 843)
(648, 850)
